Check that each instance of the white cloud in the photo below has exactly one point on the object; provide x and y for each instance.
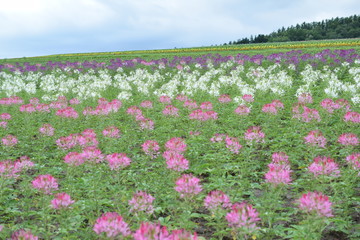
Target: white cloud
(24, 17)
(60, 26)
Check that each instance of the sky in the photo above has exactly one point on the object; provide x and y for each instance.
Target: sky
(44, 27)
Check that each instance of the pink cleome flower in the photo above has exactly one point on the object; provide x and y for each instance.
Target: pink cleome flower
(201, 115)
(11, 100)
(67, 112)
(217, 199)
(315, 203)
(43, 108)
(165, 99)
(141, 202)
(278, 174)
(181, 98)
(233, 144)
(254, 134)
(248, 98)
(5, 116)
(112, 224)
(47, 130)
(270, 108)
(45, 183)
(149, 230)
(324, 166)
(3, 124)
(280, 158)
(206, 106)
(146, 123)
(243, 216)
(74, 159)
(118, 161)
(146, 104)
(354, 160)
(171, 110)
(176, 144)
(92, 154)
(188, 186)
(305, 98)
(180, 234)
(29, 108)
(74, 101)
(22, 234)
(176, 161)
(218, 137)
(151, 148)
(9, 169)
(224, 98)
(348, 139)
(134, 111)
(190, 104)
(242, 110)
(315, 138)
(111, 132)
(353, 117)
(9, 140)
(61, 200)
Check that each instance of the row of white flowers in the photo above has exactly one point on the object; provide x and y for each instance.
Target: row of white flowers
(275, 79)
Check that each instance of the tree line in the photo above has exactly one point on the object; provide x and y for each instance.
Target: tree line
(335, 28)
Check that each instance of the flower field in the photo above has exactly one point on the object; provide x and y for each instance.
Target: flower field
(210, 147)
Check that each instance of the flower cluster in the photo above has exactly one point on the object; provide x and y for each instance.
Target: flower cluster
(151, 148)
(324, 166)
(188, 186)
(242, 110)
(315, 203)
(104, 107)
(45, 183)
(279, 170)
(141, 202)
(118, 161)
(111, 132)
(61, 200)
(47, 129)
(155, 231)
(254, 134)
(244, 216)
(112, 224)
(84, 139)
(171, 110)
(217, 200)
(9, 140)
(315, 138)
(68, 112)
(348, 139)
(23, 234)
(353, 117)
(201, 115)
(273, 107)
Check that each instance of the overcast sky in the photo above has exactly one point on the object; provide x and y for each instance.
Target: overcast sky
(43, 27)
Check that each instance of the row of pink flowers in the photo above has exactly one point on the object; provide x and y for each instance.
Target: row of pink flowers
(11, 169)
(113, 225)
(316, 138)
(84, 139)
(104, 107)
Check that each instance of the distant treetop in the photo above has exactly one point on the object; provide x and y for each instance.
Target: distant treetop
(335, 28)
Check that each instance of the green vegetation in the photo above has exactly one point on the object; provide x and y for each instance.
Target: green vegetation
(248, 49)
(335, 28)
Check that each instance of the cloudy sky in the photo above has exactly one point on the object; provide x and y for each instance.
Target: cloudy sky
(43, 27)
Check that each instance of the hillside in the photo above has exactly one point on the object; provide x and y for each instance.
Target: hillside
(335, 28)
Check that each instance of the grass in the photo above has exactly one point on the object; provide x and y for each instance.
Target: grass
(249, 49)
